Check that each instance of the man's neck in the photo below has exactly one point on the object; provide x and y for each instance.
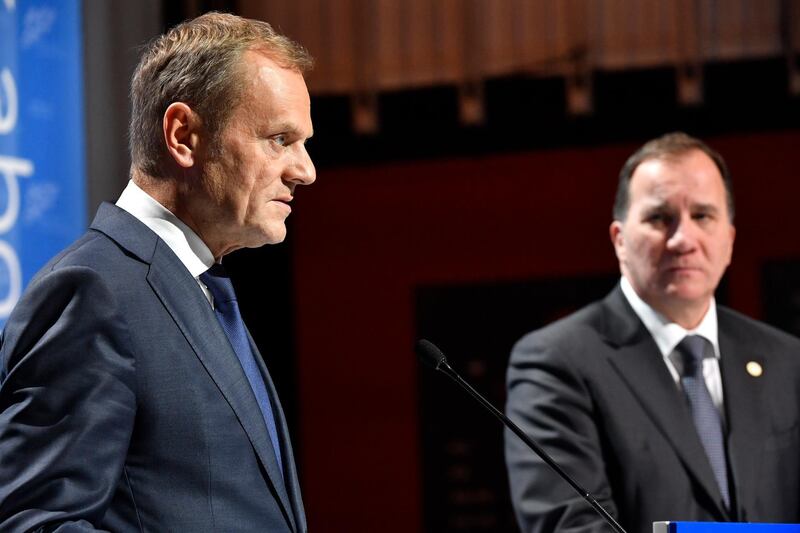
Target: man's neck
(162, 191)
(686, 316)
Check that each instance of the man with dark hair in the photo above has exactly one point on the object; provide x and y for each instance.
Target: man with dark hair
(133, 397)
(662, 404)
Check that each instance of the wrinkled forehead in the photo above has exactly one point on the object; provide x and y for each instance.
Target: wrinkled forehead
(274, 90)
(689, 172)
(687, 179)
(262, 65)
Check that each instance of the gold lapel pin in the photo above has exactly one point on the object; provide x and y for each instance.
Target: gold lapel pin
(754, 369)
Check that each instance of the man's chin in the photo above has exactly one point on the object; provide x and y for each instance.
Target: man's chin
(268, 235)
(275, 238)
(687, 294)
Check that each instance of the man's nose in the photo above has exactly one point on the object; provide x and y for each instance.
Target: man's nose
(302, 171)
(684, 235)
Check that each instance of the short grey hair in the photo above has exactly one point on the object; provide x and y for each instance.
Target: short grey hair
(197, 62)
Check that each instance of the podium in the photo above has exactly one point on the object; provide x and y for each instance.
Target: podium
(722, 527)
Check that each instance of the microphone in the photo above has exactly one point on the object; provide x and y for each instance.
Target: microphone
(432, 356)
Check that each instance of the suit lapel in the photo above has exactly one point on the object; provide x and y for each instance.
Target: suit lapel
(743, 410)
(639, 363)
(292, 482)
(184, 301)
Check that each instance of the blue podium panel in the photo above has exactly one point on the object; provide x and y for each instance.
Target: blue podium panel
(42, 182)
(719, 527)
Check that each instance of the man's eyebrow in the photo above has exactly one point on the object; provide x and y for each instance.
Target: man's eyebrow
(705, 206)
(282, 127)
(659, 205)
(288, 127)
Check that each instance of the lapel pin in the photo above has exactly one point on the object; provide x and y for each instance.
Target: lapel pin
(754, 369)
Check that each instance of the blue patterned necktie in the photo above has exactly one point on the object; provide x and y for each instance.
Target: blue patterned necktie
(227, 310)
(707, 419)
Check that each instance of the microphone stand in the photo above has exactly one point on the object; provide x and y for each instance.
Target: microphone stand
(432, 356)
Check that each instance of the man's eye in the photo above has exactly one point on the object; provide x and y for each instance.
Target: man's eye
(280, 140)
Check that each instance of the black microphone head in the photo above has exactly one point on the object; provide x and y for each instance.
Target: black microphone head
(429, 354)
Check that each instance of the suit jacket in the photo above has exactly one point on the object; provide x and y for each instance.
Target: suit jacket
(123, 406)
(594, 391)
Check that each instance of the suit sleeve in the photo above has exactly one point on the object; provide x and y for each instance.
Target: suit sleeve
(67, 404)
(551, 401)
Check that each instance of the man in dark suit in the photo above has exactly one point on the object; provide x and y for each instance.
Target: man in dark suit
(662, 404)
(132, 397)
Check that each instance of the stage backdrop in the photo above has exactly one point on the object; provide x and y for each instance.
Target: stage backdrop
(470, 252)
(42, 191)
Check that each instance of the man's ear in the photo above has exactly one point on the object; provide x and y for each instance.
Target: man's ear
(615, 232)
(182, 133)
(730, 243)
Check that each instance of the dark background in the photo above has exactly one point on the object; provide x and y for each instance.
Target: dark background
(471, 236)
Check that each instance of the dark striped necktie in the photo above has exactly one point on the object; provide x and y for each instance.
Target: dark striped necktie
(707, 419)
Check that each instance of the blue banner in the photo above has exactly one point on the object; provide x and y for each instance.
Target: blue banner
(42, 169)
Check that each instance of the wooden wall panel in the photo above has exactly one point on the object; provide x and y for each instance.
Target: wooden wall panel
(374, 45)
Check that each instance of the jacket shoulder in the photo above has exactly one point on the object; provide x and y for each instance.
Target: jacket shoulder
(748, 331)
(570, 332)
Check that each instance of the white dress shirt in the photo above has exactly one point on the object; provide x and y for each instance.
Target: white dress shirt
(190, 249)
(668, 334)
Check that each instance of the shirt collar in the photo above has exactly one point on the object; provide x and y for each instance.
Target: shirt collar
(668, 334)
(181, 239)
